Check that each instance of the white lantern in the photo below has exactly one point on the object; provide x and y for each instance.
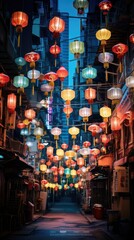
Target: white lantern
(114, 94)
(130, 82)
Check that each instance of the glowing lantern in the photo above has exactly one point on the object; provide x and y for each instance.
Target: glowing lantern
(67, 172)
(105, 6)
(61, 170)
(19, 20)
(62, 73)
(50, 76)
(74, 131)
(49, 151)
(67, 95)
(90, 95)
(70, 154)
(89, 73)
(60, 153)
(131, 38)
(75, 147)
(120, 49)
(103, 35)
(40, 146)
(115, 123)
(80, 5)
(130, 82)
(103, 125)
(77, 48)
(80, 162)
(33, 75)
(43, 168)
(38, 132)
(73, 173)
(24, 132)
(56, 132)
(84, 152)
(114, 94)
(86, 144)
(20, 125)
(105, 139)
(32, 57)
(67, 110)
(106, 58)
(20, 61)
(4, 79)
(94, 129)
(56, 158)
(55, 50)
(56, 26)
(64, 146)
(85, 113)
(30, 114)
(20, 82)
(105, 112)
(11, 102)
(46, 88)
(95, 152)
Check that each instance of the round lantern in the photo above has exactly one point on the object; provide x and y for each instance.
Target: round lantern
(20, 125)
(90, 95)
(67, 95)
(103, 35)
(19, 20)
(38, 132)
(80, 5)
(75, 147)
(105, 112)
(56, 158)
(11, 102)
(70, 154)
(62, 74)
(73, 173)
(20, 82)
(105, 139)
(94, 129)
(56, 26)
(74, 131)
(64, 146)
(49, 151)
(89, 73)
(32, 57)
(30, 114)
(56, 132)
(114, 94)
(80, 162)
(95, 152)
(50, 76)
(84, 151)
(77, 48)
(43, 168)
(115, 123)
(67, 172)
(130, 82)
(4, 79)
(61, 170)
(60, 153)
(55, 50)
(20, 61)
(105, 6)
(131, 38)
(106, 58)
(46, 88)
(86, 144)
(67, 110)
(85, 113)
(120, 49)
(33, 75)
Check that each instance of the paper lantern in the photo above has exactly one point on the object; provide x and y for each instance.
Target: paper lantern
(105, 139)
(94, 129)
(120, 49)
(55, 50)
(85, 113)
(84, 151)
(62, 74)
(32, 57)
(106, 58)
(67, 95)
(38, 132)
(90, 95)
(73, 173)
(75, 147)
(50, 76)
(19, 20)
(74, 131)
(80, 162)
(30, 114)
(105, 112)
(20, 61)
(130, 82)
(46, 88)
(56, 26)
(86, 144)
(56, 132)
(105, 6)
(4, 79)
(80, 5)
(20, 82)
(11, 102)
(67, 110)
(115, 123)
(33, 75)
(43, 168)
(114, 94)
(131, 38)
(89, 73)
(77, 48)
(103, 35)
(60, 153)
(64, 146)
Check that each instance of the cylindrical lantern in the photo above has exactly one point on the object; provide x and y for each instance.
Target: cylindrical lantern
(114, 94)
(19, 20)
(77, 48)
(85, 113)
(11, 102)
(89, 73)
(56, 26)
(60, 153)
(80, 5)
(90, 95)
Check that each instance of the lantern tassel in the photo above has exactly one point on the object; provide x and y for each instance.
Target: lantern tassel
(33, 89)
(56, 144)
(20, 100)
(106, 75)
(85, 127)
(67, 121)
(120, 67)
(18, 40)
(55, 63)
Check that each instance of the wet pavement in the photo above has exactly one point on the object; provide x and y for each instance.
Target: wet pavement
(65, 221)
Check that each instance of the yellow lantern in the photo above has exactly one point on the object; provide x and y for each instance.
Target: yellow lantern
(60, 153)
(67, 95)
(105, 112)
(43, 167)
(74, 131)
(103, 35)
(77, 48)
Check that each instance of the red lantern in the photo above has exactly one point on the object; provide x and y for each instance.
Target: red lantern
(30, 114)
(3, 79)
(90, 95)
(120, 49)
(105, 140)
(67, 110)
(40, 146)
(55, 50)
(115, 123)
(64, 146)
(80, 162)
(75, 147)
(11, 102)
(19, 20)
(56, 26)
(20, 125)
(32, 57)
(86, 144)
(131, 38)
(62, 73)
(105, 6)
(50, 76)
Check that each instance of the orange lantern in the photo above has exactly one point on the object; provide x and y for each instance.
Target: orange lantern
(40, 146)
(49, 151)
(30, 114)
(80, 162)
(55, 50)
(105, 6)
(20, 125)
(62, 73)
(19, 20)
(131, 38)
(95, 152)
(105, 140)
(32, 57)
(94, 128)
(64, 146)
(86, 144)
(90, 95)
(61, 170)
(67, 110)
(56, 26)
(56, 158)
(11, 102)
(3, 79)
(120, 49)
(115, 123)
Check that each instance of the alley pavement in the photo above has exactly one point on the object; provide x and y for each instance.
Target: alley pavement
(65, 220)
